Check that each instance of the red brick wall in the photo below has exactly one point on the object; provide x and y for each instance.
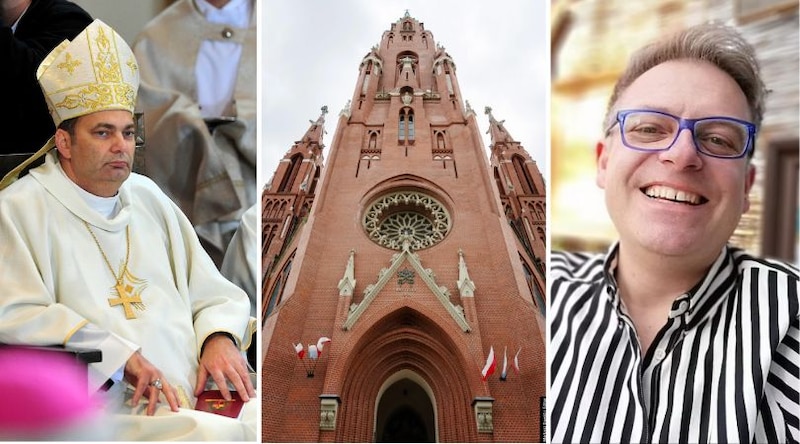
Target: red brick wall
(405, 327)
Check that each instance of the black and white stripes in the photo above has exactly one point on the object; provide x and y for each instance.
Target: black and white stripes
(724, 368)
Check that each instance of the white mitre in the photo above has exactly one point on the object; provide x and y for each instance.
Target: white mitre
(96, 71)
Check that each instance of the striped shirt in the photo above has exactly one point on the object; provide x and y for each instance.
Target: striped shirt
(724, 367)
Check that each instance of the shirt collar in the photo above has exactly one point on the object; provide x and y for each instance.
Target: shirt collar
(105, 206)
(696, 303)
(234, 13)
(16, 23)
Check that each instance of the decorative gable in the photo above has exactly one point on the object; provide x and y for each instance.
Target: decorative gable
(406, 275)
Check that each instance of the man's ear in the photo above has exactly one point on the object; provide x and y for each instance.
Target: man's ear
(63, 143)
(601, 155)
(748, 184)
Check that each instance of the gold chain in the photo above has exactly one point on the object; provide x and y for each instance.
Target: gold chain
(127, 251)
(127, 295)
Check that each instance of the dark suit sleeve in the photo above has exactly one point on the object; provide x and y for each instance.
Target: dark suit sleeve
(44, 26)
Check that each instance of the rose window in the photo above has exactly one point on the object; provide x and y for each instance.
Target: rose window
(406, 216)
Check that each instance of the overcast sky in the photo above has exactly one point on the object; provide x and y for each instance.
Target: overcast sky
(311, 50)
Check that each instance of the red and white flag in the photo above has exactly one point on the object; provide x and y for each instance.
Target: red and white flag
(321, 343)
(298, 348)
(516, 361)
(491, 363)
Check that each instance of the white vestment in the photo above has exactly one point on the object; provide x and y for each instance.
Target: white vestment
(55, 282)
(240, 265)
(211, 176)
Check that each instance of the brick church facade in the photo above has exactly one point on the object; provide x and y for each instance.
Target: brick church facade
(415, 255)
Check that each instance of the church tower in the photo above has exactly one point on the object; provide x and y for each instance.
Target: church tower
(394, 271)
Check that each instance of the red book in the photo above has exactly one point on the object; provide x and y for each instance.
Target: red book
(212, 401)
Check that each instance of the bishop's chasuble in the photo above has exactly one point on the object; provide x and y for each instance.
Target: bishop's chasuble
(57, 281)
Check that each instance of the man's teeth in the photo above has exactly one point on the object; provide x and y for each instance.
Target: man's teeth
(662, 192)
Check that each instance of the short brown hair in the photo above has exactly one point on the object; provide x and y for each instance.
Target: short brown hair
(68, 125)
(718, 44)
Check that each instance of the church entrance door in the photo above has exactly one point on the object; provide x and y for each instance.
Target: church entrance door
(405, 414)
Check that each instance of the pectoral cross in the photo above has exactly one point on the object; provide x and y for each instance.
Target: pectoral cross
(125, 298)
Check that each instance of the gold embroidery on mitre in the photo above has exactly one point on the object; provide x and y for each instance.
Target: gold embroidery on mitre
(132, 65)
(69, 64)
(125, 94)
(107, 65)
(91, 98)
(96, 71)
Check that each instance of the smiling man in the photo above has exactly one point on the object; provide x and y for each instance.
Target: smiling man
(673, 335)
(95, 256)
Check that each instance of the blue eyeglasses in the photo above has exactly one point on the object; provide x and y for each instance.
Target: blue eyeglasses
(651, 131)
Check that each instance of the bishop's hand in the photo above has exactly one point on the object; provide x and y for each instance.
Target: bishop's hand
(222, 360)
(146, 378)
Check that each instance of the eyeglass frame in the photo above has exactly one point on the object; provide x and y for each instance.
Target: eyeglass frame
(682, 125)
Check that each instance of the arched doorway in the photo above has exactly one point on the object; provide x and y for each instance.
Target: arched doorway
(405, 411)
(405, 344)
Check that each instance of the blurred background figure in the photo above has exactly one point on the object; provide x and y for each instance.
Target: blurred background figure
(29, 30)
(590, 44)
(198, 96)
(240, 265)
(46, 398)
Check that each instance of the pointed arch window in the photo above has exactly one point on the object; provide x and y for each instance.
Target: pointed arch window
(528, 186)
(534, 287)
(314, 182)
(267, 236)
(405, 125)
(539, 210)
(500, 187)
(291, 174)
(276, 295)
(372, 142)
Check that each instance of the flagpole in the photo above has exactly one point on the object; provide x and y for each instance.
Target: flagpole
(485, 383)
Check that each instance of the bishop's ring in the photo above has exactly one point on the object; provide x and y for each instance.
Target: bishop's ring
(157, 384)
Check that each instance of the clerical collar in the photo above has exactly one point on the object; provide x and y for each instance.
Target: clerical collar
(107, 207)
(234, 13)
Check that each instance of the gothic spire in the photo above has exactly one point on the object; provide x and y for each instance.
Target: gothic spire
(316, 130)
(497, 130)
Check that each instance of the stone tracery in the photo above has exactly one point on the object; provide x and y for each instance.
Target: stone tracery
(406, 216)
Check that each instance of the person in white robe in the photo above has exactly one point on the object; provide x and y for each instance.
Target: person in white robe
(240, 265)
(198, 98)
(95, 256)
